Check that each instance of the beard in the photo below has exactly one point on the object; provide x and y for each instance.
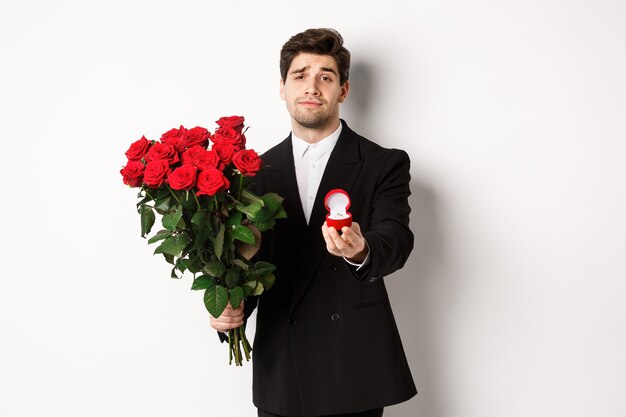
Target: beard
(312, 119)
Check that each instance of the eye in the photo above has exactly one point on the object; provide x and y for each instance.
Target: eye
(299, 77)
(326, 78)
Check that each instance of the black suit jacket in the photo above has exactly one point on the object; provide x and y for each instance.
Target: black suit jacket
(326, 340)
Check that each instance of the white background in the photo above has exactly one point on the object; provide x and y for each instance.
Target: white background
(513, 303)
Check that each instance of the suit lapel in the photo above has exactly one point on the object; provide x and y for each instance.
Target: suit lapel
(341, 171)
(285, 183)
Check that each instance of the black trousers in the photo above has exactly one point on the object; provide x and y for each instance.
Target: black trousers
(378, 412)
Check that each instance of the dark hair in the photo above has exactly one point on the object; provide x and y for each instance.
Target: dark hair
(320, 42)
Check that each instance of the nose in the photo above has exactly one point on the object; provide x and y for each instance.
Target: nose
(312, 89)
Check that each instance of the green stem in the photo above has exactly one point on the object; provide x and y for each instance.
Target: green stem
(240, 186)
(237, 353)
(244, 342)
(149, 195)
(233, 198)
(197, 201)
(230, 346)
(173, 195)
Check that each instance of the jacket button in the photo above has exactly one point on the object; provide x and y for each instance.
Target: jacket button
(292, 321)
(334, 317)
(332, 267)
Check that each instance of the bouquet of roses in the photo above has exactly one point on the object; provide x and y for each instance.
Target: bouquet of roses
(212, 222)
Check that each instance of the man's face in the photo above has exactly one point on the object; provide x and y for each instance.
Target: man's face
(312, 91)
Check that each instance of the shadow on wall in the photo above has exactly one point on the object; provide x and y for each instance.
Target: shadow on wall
(357, 109)
(412, 290)
(413, 295)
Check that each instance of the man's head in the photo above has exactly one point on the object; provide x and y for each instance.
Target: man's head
(314, 69)
(318, 42)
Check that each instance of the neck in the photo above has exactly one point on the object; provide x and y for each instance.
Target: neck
(314, 135)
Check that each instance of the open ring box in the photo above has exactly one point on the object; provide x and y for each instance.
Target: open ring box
(337, 202)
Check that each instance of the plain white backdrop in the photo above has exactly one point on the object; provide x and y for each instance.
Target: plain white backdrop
(513, 303)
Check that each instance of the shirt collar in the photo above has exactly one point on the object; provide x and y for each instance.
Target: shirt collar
(325, 145)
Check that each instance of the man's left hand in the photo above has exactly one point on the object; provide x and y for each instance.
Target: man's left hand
(350, 243)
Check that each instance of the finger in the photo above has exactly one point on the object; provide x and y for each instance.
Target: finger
(224, 326)
(330, 244)
(340, 244)
(353, 239)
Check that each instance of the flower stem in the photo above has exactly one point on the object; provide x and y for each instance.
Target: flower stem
(173, 195)
(240, 186)
(230, 346)
(197, 201)
(244, 342)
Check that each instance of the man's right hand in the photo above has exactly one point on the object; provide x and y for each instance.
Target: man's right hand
(231, 318)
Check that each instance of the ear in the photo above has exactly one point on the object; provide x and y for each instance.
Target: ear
(282, 89)
(343, 92)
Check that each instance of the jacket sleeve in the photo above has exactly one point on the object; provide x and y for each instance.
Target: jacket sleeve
(388, 234)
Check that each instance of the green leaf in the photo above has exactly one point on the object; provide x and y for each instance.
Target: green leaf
(280, 214)
(147, 219)
(255, 287)
(234, 219)
(170, 220)
(215, 299)
(218, 242)
(163, 204)
(241, 264)
(232, 278)
(215, 268)
(262, 266)
(169, 258)
(199, 218)
(173, 274)
(144, 200)
(265, 225)
(202, 235)
(188, 201)
(195, 265)
(251, 210)
(173, 245)
(161, 234)
(272, 202)
(249, 197)
(236, 296)
(267, 280)
(182, 264)
(244, 234)
(202, 282)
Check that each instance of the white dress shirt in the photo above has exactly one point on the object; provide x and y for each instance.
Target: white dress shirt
(310, 161)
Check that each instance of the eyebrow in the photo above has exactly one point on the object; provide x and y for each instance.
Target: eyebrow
(303, 69)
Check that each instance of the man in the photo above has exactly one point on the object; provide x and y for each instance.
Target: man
(326, 341)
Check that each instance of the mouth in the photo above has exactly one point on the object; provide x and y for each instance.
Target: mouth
(309, 103)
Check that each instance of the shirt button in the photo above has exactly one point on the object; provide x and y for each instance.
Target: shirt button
(334, 317)
(332, 267)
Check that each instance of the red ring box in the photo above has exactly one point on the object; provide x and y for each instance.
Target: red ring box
(337, 202)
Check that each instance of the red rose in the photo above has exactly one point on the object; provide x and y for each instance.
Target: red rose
(229, 136)
(198, 136)
(236, 122)
(176, 138)
(211, 181)
(183, 178)
(138, 149)
(201, 158)
(247, 162)
(132, 173)
(225, 152)
(156, 173)
(163, 151)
